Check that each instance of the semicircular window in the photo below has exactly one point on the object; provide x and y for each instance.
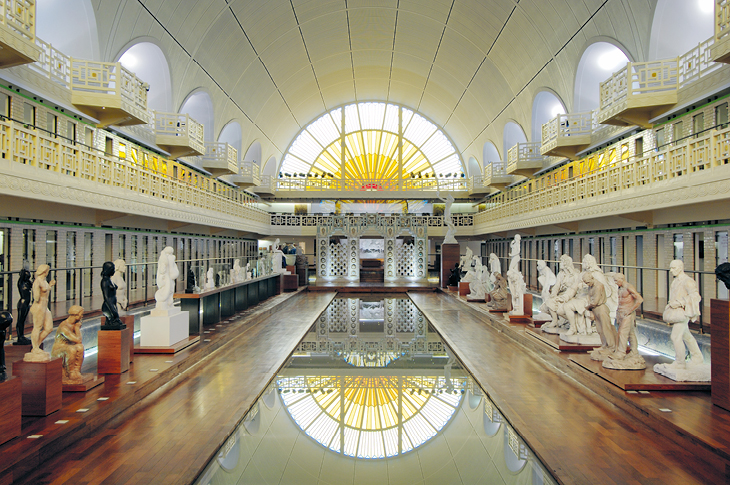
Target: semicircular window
(372, 143)
(370, 417)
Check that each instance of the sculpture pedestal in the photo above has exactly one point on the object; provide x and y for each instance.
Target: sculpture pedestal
(42, 386)
(164, 328)
(463, 289)
(449, 257)
(16, 352)
(113, 357)
(592, 339)
(691, 372)
(90, 381)
(289, 282)
(720, 352)
(526, 315)
(10, 408)
(129, 322)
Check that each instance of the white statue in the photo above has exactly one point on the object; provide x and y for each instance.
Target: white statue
(210, 279)
(467, 261)
(629, 300)
(118, 279)
(514, 254)
(476, 285)
(683, 306)
(563, 290)
(546, 279)
(236, 273)
(167, 273)
(449, 238)
(494, 267)
(517, 287)
(42, 318)
(248, 271)
(276, 257)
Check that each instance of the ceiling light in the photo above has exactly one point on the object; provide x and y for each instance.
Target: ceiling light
(556, 110)
(612, 59)
(706, 6)
(128, 60)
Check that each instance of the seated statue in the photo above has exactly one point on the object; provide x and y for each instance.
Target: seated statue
(455, 276)
(560, 293)
(69, 346)
(500, 297)
(494, 267)
(476, 287)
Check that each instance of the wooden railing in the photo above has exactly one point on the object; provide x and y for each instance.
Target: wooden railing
(704, 153)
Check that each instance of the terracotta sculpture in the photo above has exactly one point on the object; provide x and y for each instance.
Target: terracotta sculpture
(69, 346)
(6, 320)
(210, 279)
(448, 201)
(500, 297)
(683, 306)
(120, 267)
(167, 273)
(109, 293)
(24, 290)
(629, 300)
(42, 318)
(546, 279)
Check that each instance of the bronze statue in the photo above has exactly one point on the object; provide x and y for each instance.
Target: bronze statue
(723, 273)
(109, 292)
(6, 319)
(455, 276)
(190, 287)
(24, 289)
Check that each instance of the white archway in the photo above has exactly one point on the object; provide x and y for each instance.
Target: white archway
(512, 135)
(70, 26)
(148, 62)
(231, 134)
(200, 107)
(545, 107)
(679, 25)
(490, 154)
(253, 154)
(473, 167)
(270, 168)
(598, 62)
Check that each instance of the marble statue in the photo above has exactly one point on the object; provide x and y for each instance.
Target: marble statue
(546, 278)
(683, 306)
(190, 282)
(629, 300)
(277, 255)
(596, 308)
(466, 261)
(722, 271)
(109, 294)
(476, 287)
(236, 275)
(495, 267)
(25, 285)
(248, 271)
(500, 298)
(448, 220)
(6, 320)
(515, 279)
(455, 276)
(167, 273)
(514, 254)
(210, 279)
(42, 318)
(69, 346)
(120, 267)
(560, 293)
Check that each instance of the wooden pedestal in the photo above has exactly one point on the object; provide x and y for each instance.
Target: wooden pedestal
(11, 393)
(463, 289)
(291, 268)
(129, 322)
(91, 381)
(449, 257)
(15, 353)
(526, 316)
(289, 282)
(720, 352)
(42, 386)
(113, 357)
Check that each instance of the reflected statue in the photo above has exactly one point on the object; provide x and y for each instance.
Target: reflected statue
(25, 285)
(629, 300)
(120, 267)
(69, 346)
(683, 307)
(42, 318)
(167, 273)
(6, 320)
(109, 294)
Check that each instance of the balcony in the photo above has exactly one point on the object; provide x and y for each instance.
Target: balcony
(567, 134)
(639, 92)
(178, 134)
(524, 159)
(248, 175)
(108, 92)
(499, 177)
(219, 159)
(479, 185)
(267, 186)
(17, 33)
(721, 49)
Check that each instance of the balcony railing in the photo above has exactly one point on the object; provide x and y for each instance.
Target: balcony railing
(178, 134)
(52, 64)
(306, 220)
(704, 154)
(312, 184)
(35, 148)
(696, 63)
(266, 187)
(567, 125)
(722, 20)
(219, 159)
(17, 32)
(248, 174)
(524, 156)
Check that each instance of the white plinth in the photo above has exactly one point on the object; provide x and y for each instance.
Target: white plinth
(699, 372)
(165, 328)
(584, 339)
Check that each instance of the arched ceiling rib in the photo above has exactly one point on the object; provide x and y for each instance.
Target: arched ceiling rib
(282, 63)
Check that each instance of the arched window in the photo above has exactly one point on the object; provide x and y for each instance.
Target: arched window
(599, 61)
(490, 154)
(231, 134)
(200, 107)
(361, 142)
(545, 107)
(679, 25)
(70, 26)
(147, 61)
(512, 135)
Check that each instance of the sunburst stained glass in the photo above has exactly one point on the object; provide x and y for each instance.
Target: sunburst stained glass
(365, 416)
(380, 142)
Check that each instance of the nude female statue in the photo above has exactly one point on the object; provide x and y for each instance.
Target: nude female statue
(118, 279)
(109, 293)
(167, 272)
(24, 290)
(42, 318)
(448, 201)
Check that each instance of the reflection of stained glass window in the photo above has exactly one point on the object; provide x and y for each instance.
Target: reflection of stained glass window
(368, 147)
(369, 416)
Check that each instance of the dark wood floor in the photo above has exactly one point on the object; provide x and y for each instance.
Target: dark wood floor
(579, 435)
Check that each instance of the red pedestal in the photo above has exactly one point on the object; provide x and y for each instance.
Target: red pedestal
(720, 352)
(11, 393)
(129, 322)
(463, 289)
(42, 386)
(113, 357)
(449, 257)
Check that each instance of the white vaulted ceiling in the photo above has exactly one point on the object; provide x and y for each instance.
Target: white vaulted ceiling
(468, 65)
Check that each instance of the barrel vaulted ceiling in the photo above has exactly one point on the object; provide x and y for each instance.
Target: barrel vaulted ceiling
(468, 65)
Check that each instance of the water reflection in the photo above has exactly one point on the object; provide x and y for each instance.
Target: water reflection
(373, 395)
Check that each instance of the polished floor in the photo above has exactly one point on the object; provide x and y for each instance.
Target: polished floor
(580, 434)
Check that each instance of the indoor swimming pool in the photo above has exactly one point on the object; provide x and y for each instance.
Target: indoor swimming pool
(372, 395)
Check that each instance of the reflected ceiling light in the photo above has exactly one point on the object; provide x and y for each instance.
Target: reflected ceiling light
(612, 59)
(706, 6)
(128, 60)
